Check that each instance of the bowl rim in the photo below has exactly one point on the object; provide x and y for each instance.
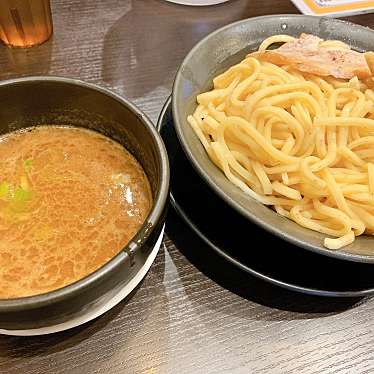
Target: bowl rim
(135, 244)
(341, 255)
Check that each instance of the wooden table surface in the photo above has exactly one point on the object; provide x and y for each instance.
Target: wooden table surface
(193, 313)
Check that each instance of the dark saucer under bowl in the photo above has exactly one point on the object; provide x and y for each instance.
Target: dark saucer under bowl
(242, 243)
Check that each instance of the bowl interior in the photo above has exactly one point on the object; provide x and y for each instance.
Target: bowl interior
(215, 54)
(36, 102)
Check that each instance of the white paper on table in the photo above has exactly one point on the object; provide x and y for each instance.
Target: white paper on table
(334, 7)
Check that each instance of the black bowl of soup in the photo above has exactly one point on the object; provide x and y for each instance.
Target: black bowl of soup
(83, 193)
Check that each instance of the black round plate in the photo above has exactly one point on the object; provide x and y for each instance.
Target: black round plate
(242, 242)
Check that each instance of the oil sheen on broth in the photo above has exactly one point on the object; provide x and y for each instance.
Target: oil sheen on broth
(70, 199)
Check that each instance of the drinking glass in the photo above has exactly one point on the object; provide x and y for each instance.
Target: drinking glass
(24, 23)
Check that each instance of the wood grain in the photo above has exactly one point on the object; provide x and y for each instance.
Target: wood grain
(193, 313)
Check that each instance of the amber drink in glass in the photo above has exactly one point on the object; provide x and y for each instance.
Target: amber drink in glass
(24, 23)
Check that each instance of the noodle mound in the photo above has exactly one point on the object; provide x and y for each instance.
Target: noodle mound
(299, 142)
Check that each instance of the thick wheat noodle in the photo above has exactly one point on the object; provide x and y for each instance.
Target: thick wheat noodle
(295, 141)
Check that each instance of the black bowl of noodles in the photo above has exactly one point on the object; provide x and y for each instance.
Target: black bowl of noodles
(61, 102)
(214, 55)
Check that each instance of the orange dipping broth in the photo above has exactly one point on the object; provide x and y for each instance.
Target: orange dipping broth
(70, 200)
